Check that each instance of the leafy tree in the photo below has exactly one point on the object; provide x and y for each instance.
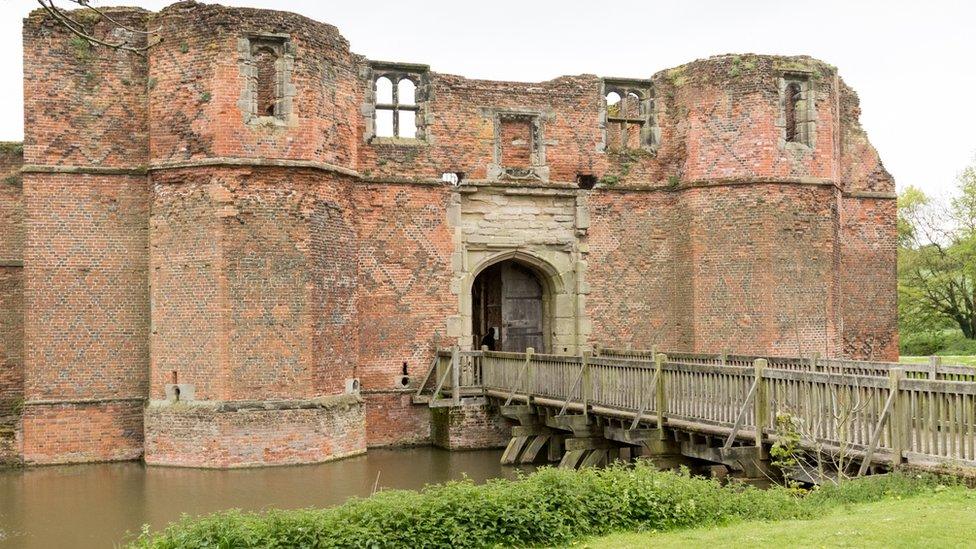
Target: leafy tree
(937, 258)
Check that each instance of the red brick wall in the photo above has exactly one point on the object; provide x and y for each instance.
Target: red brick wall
(186, 294)
(197, 82)
(405, 275)
(392, 419)
(81, 433)
(469, 427)
(274, 253)
(83, 106)
(635, 278)
(461, 131)
(253, 434)
(763, 263)
(85, 259)
(11, 301)
(472, 426)
(868, 259)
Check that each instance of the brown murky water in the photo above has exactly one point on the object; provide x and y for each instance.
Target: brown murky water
(84, 506)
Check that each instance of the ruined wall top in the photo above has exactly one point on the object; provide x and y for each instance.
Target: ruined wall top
(240, 84)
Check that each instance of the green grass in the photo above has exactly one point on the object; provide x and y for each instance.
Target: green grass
(964, 360)
(940, 520)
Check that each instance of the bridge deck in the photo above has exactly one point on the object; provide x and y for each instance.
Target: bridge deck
(872, 411)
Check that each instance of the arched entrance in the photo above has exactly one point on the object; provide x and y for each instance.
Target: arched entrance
(510, 301)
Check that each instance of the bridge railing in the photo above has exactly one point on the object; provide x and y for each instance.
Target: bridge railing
(933, 370)
(889, 417)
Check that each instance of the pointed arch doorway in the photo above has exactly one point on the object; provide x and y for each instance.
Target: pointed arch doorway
(510, 305)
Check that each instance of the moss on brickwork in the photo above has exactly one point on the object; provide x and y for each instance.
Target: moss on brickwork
(12, 148)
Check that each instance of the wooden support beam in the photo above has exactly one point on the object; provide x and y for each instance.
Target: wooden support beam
(761, 405)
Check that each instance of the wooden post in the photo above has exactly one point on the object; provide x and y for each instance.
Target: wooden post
(596, 349)
(814, 362)
(761, 403)
(934, 363)
(456, 375)
(481, 367)
(585, 389)
(897, 416)
(529, 351)
(659, 361)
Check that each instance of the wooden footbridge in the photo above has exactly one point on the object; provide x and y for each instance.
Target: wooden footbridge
(719, 409)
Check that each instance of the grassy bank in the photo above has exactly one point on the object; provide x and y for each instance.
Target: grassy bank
(939, 520)
(962, 360)
(550, 507)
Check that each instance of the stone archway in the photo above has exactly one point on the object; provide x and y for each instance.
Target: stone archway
(563, 323)
(511, 308)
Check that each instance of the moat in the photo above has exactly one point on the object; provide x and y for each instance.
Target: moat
(96, 505)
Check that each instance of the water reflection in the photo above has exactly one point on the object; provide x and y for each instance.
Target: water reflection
(95, 505)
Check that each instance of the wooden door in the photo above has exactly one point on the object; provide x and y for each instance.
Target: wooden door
(522, 325)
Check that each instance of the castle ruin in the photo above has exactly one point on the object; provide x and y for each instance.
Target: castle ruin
(244, 248)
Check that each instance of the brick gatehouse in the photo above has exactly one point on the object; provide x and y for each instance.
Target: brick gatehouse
(202, 248)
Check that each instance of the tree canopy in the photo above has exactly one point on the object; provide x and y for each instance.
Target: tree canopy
(937, 258)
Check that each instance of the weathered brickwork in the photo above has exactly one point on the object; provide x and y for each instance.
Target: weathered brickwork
(392, 419)
(210, 246)
(473, 425)
(248, 434)
(11, 301)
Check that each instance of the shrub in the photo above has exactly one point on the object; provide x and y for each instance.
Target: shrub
(948, 342)
(549, 507)
(922, 343)
(959, 346)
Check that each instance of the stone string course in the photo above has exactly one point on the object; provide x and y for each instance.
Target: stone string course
(160, 234)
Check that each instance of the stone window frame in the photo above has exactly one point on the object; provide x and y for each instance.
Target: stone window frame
(650, 134)
(420, 76)
(806, 125)
(537, 169)
(285, 92)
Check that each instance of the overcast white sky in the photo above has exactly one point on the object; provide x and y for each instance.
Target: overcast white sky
(913, 63)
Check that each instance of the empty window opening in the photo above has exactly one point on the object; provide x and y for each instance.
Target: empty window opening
(628, 112)
(396, 107)
(384, 91)
(406, 90)
(384, 123)
(408, 124)
(631, 106)
(585, 180)
(516, 140)
(794, 97)
(613, 104)
(452, 178)
(266, 61)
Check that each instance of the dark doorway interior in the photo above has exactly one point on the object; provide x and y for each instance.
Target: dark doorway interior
(509, 298)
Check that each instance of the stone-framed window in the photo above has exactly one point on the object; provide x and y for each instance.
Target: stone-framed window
(266, 62)
(628, 114)
(396, 102)
(519, 151)
(798, 115)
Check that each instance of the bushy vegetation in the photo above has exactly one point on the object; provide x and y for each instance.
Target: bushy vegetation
(549, 507)
(947, 342)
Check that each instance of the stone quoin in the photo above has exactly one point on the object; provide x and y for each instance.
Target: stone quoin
(244, 247)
